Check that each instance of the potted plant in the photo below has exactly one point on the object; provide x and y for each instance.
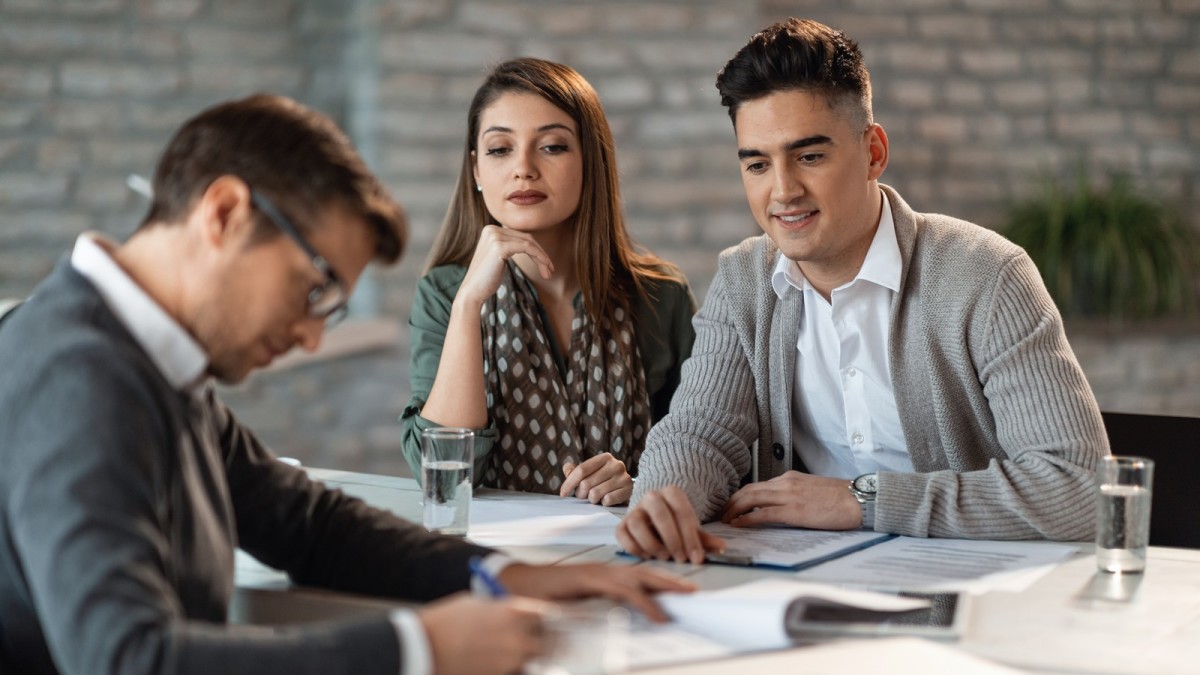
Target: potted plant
(1106, 249)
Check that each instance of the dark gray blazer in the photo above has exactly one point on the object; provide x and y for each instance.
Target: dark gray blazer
(122, 501)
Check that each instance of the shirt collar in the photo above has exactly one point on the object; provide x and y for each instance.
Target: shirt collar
(178, 356)
(881, 265)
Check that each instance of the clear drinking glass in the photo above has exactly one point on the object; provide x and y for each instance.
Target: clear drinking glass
(447, 456)
(1123, 513)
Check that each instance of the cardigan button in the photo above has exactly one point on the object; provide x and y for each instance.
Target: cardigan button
(778, 451)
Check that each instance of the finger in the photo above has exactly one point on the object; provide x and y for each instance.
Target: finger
(687, 546)
(581, 473)
(642, 602)
(712, 542)
(631, 586)
(764, 515)
(627, 541)
(647, 542)
(746, 500)
(598, 493)
(530, 618)
(600, 473)
(666, 525)
(535, 252)
(544, 264)
(574, 474)
(619, 496)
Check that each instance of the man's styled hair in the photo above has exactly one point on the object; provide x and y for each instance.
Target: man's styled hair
(294, 156)
(799, 55)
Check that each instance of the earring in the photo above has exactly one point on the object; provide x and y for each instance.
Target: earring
(478, 187)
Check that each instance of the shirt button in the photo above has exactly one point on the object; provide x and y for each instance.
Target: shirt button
(852, 372)
(777, 449)
(857, 438)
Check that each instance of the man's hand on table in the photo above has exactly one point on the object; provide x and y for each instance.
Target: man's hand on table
(470, 636)
(631, 585)
(796, 499)
(664, 526)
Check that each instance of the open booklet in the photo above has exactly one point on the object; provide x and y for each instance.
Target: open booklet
(787, 547)
(774, 614)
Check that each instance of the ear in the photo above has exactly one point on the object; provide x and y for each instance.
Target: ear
(877, 147)
(225, 211)
(475, 166)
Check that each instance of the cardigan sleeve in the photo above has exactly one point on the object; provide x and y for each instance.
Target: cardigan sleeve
(427, 335)
(703, 443)
(1040, 481)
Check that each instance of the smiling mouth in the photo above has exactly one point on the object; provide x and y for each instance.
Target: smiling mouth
(795, 219)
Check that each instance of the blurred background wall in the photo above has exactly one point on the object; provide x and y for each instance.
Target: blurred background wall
(977, 96)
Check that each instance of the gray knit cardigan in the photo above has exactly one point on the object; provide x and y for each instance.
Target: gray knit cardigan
(1003, 430)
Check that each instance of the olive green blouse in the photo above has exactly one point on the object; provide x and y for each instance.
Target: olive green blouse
(664, 335)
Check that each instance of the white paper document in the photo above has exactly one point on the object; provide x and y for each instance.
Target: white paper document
(541, 522)
(790, 547)
(913, 563)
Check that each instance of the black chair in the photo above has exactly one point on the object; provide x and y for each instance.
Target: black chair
(1174, 445)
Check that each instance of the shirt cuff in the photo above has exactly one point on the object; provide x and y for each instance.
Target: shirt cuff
(416, 657)
(493, 564)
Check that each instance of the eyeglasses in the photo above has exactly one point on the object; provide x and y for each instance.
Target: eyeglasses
(327, 301)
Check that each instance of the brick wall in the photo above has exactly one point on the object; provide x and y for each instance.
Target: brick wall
(977, 96)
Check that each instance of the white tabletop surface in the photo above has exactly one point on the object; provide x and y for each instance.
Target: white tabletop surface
(1072, 620)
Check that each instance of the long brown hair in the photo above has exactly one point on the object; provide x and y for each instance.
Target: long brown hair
(610, 269)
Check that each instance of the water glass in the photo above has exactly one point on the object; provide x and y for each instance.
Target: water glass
(1123, 513)
(447, 457)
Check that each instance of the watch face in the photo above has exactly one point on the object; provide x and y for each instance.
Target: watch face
(868, 483)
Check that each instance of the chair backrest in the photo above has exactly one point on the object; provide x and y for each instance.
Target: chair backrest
(1174, 445)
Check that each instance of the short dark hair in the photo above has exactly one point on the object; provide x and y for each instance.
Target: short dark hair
(798, 55)
(293, 155)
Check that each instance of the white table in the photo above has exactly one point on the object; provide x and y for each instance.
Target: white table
(1073, 620)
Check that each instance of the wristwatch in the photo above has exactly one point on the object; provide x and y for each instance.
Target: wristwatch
(865, 488)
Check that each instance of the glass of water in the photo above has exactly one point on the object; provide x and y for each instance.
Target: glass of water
(1123, 513)
(447, 455)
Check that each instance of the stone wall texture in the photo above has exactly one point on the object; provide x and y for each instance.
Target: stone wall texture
(977, 96)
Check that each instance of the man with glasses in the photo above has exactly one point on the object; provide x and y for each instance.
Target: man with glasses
(125, 483)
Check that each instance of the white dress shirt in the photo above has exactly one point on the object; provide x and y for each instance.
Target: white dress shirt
(183, 362)
(844, 417)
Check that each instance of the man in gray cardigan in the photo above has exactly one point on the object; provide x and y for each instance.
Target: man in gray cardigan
(126, 484)
(861, 364)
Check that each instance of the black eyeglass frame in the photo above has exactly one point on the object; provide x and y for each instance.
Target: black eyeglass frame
(333, 290)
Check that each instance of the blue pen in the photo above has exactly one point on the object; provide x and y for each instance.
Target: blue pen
(492, 584)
